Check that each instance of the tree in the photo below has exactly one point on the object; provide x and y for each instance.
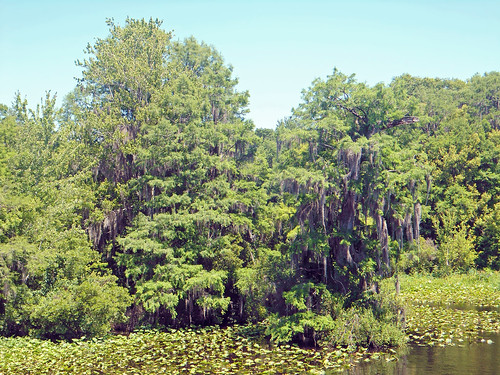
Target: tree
(177, 213)
(358, 184)
(366, 193)
(45, 254)
(148, 195)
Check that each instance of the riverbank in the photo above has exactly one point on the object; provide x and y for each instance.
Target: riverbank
(451, 311)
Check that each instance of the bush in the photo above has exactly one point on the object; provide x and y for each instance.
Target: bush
(488, 239)
(358, 326)
(419, 257)
(311, 309)
(76, 310)
(319, 318)
(456, 251)
(306, 327)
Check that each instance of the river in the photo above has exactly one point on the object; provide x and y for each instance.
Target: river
(468, 359)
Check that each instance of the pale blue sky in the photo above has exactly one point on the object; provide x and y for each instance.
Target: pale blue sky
(276, 48)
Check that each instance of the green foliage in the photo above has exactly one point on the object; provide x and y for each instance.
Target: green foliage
(301, 324)
(333, 324)
(259, 284)
(153, 295)
(311, 312)
(151, 173)
(489, 239)
(71, 311)
(456, 251)
(360, 327)
(419, 257)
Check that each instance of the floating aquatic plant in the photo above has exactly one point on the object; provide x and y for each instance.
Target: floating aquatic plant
(452, 310)
(432, 319)
(203, 350)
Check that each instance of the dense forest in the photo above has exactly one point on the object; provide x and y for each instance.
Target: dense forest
(147, 198)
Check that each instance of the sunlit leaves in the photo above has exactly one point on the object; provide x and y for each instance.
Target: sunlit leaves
(125, 69)
(72, 310)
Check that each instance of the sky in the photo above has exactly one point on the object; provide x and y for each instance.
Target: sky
(277, 48)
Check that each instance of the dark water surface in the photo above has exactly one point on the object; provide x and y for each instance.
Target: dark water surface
(469, 359)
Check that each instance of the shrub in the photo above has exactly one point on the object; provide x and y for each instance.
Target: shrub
(311, 309)
(419, 257)
(76, 310)
(456, 251)
(359, 326)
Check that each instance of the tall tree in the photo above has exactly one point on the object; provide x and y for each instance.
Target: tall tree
(178, 215)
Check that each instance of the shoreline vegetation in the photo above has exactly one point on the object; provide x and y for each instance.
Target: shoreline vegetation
(149, 200)
(244, 349)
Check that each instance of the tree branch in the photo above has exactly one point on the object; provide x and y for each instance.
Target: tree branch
(402, 121)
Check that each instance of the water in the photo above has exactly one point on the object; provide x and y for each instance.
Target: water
(465, 306)
(469, 359)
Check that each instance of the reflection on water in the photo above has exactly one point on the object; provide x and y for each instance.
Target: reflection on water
(476, 358)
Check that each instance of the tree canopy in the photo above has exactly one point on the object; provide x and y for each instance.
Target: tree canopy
(149, 198)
